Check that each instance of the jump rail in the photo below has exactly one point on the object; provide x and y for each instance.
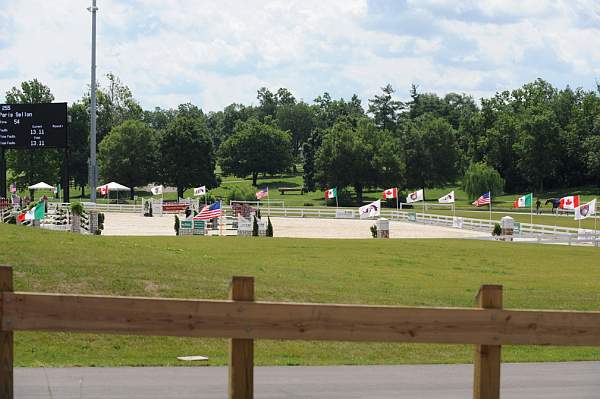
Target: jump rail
(242, 321)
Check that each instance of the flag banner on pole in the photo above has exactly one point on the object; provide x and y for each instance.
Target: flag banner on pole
(524, 202)
(586, 210)
(13, 188)
(157, 190)
(390, 193)
(103, 190)
(415, 197)
(211, 211)
(370, 210)
(331, 193)
(264, 193)
(569, 202)
(199, 191)
(447, 199)
(485, 199)
(36, 213)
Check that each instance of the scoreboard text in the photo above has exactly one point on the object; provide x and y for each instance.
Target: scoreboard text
(29, 126)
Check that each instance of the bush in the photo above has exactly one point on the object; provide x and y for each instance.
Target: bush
(76, 208)
(269, 227)
(254, 227)
(497, 230)
(309, 204)
(481, 178)
(241, 193)
(176, 225)
(374, 231)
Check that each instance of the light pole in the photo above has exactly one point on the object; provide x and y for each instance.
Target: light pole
(93, 164)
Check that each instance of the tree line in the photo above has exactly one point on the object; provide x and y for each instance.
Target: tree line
(535, 137)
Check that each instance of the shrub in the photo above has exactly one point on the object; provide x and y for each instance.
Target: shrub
(497, 230)
(481, 178)
(269, 227)
(176, 225)
(254, 227)
(76, 208)
(309, 204)
(241, 193)
(374, 231)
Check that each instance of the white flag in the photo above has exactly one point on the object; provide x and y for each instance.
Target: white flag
(586, 210)
(415, 197)
(200, 191)
(157, 190)
(371, 210)
(447, 199)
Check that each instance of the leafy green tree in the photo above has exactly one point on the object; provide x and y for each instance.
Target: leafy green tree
(592, 159)
(538, 147)
(309, 150)
(186, 155)
(361, 156)
(327, 111)
(481, 178)
(79, 145)
(298, 120)
(385, 109)
(128, 155)
(256, 148)
(431, 151)
(31, 166)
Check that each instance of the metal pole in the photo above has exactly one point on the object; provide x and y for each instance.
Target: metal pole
(3, 191)
(93, 164)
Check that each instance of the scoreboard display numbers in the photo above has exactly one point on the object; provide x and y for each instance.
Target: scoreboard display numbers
(30, 126)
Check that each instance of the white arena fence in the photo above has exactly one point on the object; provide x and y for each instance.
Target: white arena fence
(540, 233)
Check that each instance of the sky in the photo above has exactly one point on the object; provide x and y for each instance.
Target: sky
(214, 53)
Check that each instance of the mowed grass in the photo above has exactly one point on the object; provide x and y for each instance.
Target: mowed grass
(387, 272)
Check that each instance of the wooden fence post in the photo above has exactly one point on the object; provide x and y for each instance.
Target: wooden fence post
(6, 339)
(241, 351)
(487, 357)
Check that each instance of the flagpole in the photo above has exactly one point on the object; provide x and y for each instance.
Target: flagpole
(531, 208)
(490, 192)
(397, 205)
(268, 203)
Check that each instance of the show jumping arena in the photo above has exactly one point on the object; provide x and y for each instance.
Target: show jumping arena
(132, 224)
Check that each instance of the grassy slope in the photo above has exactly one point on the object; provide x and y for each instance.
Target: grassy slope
(409, 272)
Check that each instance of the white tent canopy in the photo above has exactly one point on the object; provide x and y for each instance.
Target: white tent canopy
(42, 186)
(113, 186)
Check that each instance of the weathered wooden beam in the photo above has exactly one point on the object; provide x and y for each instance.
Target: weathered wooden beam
(270, 320)
(241, 351)
(486, 384)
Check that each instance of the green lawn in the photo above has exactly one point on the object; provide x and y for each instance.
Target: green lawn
(390, 272)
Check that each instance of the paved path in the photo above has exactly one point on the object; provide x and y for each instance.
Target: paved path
(523, 381)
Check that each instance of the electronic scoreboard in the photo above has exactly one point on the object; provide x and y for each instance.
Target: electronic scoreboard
(31, 126)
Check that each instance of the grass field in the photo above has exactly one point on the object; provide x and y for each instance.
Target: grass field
(392, 272)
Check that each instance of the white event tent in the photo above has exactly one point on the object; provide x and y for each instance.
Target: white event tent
(114, 186)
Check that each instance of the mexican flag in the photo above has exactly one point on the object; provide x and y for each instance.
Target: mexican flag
(36, 213)
(524, 201)
(331, 193)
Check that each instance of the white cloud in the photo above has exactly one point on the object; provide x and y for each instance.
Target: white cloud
(216, 53)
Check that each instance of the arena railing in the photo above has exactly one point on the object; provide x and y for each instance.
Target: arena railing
(242, 320)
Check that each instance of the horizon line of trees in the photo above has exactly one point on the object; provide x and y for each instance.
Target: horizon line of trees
(535, 137)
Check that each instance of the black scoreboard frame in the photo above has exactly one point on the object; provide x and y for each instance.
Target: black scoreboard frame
(34, 130)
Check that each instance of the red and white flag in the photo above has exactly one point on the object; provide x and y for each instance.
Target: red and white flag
(390, 193)
(569, 202)
(103, 189)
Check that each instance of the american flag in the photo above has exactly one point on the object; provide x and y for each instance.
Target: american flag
(485, 199)
(262, 193)
(211, 211)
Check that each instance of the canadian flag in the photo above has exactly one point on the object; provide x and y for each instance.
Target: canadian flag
(569, 202)
(103, 190)
(390, 193)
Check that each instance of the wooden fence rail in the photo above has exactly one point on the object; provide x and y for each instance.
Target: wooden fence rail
(242, 320)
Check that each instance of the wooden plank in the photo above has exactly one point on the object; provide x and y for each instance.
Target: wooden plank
(271, 320)
(486, 384)
(6, 338)
(241, 351)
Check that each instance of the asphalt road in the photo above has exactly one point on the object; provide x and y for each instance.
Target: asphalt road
(524, 381)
